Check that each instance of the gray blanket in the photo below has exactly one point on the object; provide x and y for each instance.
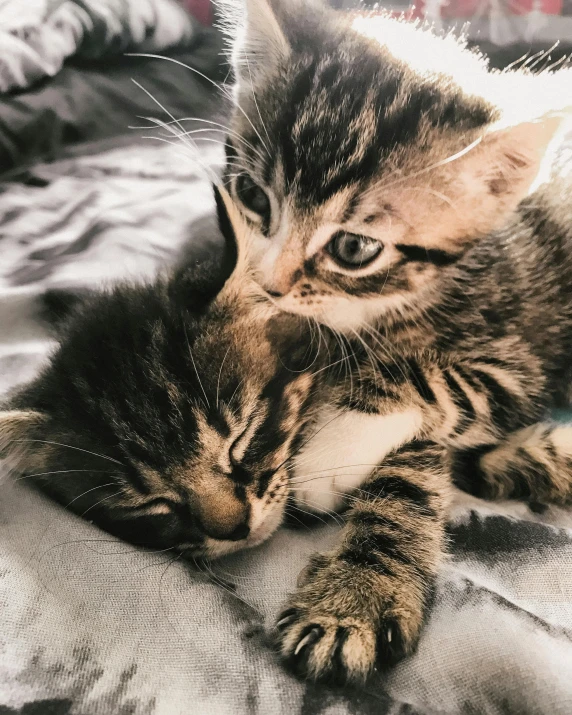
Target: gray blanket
(92, 626)
(38, 36)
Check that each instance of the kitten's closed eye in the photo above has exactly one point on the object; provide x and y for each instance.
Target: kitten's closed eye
(156, 506)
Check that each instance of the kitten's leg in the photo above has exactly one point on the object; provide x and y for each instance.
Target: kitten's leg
(534, 464)
(364, 602)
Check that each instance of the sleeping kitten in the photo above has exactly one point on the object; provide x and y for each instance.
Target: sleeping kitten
(168, 412)
(392, 184)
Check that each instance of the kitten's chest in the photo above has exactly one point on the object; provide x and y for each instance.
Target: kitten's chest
(341, 451)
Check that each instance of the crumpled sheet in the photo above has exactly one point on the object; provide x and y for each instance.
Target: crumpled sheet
(38, 36)
(92, 626)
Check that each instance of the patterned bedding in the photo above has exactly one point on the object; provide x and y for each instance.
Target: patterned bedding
(92, 626)
(38, 36)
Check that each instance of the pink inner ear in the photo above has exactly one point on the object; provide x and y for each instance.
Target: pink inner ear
(511, 165)
(516, 154)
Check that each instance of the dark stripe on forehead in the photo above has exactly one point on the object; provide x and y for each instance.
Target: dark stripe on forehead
(135, 480)
(419, 254)
(269, 436)
(351, 206)
(299, 90)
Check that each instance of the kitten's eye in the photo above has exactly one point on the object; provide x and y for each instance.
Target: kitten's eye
(252, 196)
(352, 251)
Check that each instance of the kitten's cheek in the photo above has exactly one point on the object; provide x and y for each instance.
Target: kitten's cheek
(265, 530)
(266, 518)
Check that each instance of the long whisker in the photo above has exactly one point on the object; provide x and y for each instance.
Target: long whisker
(385, 184)
(54, 546)
(192, 156)
(171, 562)
(109, 496)
(290, 512)
(219, 128)
(255, 101)
(62, 471)
(234, 394)
(220, 583)
(78, 449)
(195, 367)
(344, 496)
(219, 375)
(204, 76)
(310, 513)
(330, 470)
(158, 103)
(307, 441)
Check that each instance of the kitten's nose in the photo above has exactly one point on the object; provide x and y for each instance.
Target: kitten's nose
(223, 533)
(223, 516)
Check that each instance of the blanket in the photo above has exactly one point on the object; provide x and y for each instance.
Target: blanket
(38, 36)
(92, 626)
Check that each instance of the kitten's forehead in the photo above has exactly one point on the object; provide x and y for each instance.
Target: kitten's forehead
(338, 110)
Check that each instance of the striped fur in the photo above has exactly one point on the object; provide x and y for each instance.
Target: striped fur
(476, 376)
(366, 132)
(169, 411)
(534, 464)
(364, 603)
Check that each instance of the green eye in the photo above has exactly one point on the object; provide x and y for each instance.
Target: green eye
(252, 196)
(350, 250)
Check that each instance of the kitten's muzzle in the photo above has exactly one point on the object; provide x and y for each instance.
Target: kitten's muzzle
(225, 519)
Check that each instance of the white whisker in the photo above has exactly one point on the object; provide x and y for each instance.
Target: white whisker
(195, 367)
(219, 375)
(78, 449)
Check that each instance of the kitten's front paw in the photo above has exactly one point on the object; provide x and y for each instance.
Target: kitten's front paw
(339, 625)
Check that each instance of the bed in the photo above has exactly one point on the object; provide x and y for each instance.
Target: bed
(92, 626)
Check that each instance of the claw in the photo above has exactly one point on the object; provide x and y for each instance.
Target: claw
(314, 635)
(284, 621)
(287, 617)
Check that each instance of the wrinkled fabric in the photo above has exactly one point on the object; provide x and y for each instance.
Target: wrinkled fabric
(92, 626)
(38, 36)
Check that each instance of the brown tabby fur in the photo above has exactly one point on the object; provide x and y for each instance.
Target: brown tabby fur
(460, 326)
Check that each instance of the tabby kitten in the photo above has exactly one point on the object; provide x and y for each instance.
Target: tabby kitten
(168, 412)
(394, 188)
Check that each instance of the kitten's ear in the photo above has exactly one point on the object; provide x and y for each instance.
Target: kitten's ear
(15, 427)
(257, 40)
(504, 168)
